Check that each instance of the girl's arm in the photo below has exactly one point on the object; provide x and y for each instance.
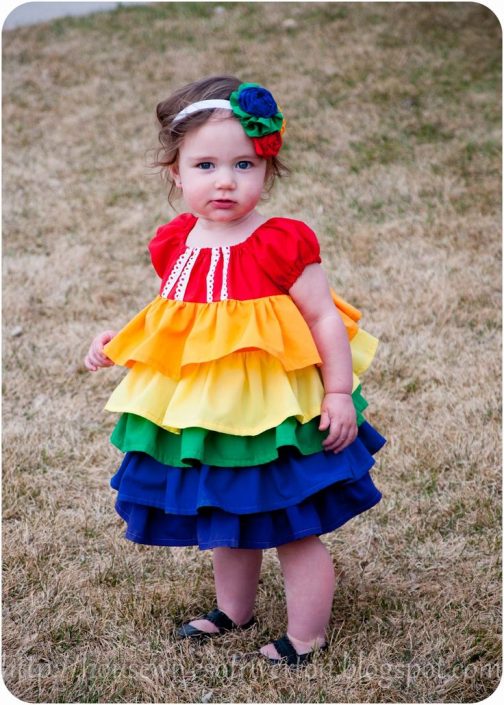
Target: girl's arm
(96, 357)
(312, 296)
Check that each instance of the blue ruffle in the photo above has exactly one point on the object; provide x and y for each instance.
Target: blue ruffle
(259, 506)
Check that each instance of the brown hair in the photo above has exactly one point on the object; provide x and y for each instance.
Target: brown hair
(171, 136)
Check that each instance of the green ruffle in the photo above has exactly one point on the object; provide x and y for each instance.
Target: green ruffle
(199, 445)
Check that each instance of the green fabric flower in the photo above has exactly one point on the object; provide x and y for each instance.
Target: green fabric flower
(256, 109)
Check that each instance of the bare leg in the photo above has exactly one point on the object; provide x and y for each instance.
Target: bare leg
(236, 572)
(309, 590)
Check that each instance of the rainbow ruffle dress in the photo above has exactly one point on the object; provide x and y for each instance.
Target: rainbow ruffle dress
(220, 407)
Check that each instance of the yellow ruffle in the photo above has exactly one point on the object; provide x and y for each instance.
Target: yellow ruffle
(169, 335)
(237, 367)
(245, 393)
(363, 348)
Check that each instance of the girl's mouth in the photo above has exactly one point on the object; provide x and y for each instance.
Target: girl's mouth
(223, 203)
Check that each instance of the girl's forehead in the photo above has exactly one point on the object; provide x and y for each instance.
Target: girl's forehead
(218, 132)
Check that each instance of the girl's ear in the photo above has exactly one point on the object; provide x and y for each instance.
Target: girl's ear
(175, 174)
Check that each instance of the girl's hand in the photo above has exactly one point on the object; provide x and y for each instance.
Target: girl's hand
(96, 357)
(338, 413)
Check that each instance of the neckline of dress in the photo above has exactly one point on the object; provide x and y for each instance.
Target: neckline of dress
(220, 247)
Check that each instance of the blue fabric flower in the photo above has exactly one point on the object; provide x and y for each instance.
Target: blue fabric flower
(256, 100)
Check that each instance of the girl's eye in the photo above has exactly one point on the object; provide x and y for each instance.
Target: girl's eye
(244, 165)
(204, 165)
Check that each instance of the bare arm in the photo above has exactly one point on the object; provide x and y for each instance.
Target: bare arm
(312, 296)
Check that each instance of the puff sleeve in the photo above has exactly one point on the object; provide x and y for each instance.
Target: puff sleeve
(287, 248)
(167, 237)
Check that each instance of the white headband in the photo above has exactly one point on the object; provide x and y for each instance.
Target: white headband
(202, 105)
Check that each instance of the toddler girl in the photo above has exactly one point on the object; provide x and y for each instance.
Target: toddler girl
(241, 415)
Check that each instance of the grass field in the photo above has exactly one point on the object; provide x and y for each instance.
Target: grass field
(394, 141)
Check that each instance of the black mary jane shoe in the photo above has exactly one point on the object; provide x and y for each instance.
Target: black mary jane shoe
(289, 655)
(218, 618)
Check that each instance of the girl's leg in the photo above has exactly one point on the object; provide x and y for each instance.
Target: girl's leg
(309, 579)
(236, 573)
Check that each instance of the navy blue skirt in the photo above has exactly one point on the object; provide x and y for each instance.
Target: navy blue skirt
(258, 506)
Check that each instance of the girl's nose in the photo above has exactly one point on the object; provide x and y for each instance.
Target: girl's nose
(225, 179)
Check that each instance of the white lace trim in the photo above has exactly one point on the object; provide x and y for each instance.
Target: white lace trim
(175, 273)
(186, 273)
(211, 273)
(183, 267)
(226, 251)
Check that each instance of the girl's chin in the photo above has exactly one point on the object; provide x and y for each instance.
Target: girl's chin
(223, 214)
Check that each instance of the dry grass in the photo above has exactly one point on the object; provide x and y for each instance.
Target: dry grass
(394, 140)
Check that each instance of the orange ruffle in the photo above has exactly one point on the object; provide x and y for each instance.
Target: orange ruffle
(169, 335)
(349, 314)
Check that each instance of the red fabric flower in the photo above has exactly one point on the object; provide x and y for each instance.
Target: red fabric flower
(269, 145)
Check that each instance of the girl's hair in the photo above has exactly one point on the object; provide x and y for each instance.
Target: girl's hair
(171, 136)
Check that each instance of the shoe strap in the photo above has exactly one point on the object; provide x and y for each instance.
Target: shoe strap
(286, 650)
(220, 620)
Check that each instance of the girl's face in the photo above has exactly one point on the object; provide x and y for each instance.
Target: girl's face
(220, 174)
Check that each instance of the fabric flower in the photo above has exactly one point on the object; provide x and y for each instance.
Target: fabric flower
(260, 117)
(256, 100)
(265, 119)
(269, 145)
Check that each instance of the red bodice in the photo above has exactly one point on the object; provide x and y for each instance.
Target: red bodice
(267, 263)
